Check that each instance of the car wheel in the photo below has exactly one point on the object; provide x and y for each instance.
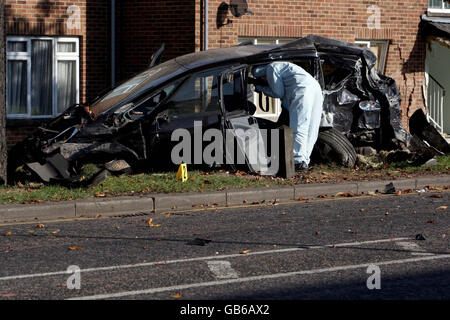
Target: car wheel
(333, 146)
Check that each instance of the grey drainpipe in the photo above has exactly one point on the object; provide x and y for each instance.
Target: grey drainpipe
(113, 43)
(206, 26)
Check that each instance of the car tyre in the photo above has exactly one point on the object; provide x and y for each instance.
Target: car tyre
(333, 146)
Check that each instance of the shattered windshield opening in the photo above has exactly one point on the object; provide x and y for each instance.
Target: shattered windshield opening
(133, 111)
(151, 77)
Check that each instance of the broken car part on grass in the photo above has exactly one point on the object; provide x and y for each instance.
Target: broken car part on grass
(133, 123)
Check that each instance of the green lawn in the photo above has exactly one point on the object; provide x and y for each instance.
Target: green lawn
(199, 181)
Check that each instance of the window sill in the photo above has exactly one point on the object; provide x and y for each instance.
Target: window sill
(438, 12)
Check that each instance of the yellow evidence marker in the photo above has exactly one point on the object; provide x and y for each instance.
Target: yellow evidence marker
(182, 173)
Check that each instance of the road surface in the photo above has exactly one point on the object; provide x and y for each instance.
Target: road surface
(346, 248)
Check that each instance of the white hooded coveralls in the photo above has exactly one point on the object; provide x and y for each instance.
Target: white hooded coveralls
(301, 95)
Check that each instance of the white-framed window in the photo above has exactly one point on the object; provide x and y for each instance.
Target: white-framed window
(42, 76)
(438, 6)
(379, 48)
(274, 107)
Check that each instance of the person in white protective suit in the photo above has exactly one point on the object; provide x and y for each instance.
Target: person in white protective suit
(301, 95)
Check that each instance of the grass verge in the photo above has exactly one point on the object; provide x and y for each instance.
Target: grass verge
(198, 181)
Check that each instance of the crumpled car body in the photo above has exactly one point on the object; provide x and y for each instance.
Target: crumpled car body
(135, 120)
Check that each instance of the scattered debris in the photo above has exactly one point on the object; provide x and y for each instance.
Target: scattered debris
(177, 295)
(420, 236)
(151, 225)
(73, 248)
(345, 194)
(389, 189)
(431, 162)
(198, 242)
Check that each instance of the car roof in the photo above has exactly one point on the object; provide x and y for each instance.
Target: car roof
(214, 56)
(308, 46)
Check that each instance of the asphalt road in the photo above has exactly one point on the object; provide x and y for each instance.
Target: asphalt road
(321, 249)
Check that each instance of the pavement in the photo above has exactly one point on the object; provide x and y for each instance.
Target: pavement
(203, 200)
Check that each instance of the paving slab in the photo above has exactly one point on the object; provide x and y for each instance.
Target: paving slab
(115, 206)
(443, 181)
(188, 200)
(28, 212)
(258, 195)
(315, 190)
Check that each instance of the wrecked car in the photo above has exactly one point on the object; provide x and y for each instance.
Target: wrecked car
(133, 122)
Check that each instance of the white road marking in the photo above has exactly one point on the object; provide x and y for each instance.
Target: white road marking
(255, 278)
(415, 249)
(222, 269)
(216, 257)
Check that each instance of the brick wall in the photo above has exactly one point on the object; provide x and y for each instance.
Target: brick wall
(343, 20)
(142, 26)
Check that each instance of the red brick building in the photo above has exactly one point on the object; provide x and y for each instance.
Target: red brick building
(63, 52)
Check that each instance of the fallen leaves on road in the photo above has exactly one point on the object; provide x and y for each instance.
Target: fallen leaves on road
(151, 225)
(40, 226)
(345, 194)
(73, 248)
(100, 195)
(245, 251)
(323, 196)
(177, 295)
(436, 196)
(200, 205)
(434, 188)
(362, 209)
(8, 234)
(442, 208)
(55, 232)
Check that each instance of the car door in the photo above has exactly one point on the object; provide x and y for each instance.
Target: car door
(245, 143)
(193, 107)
